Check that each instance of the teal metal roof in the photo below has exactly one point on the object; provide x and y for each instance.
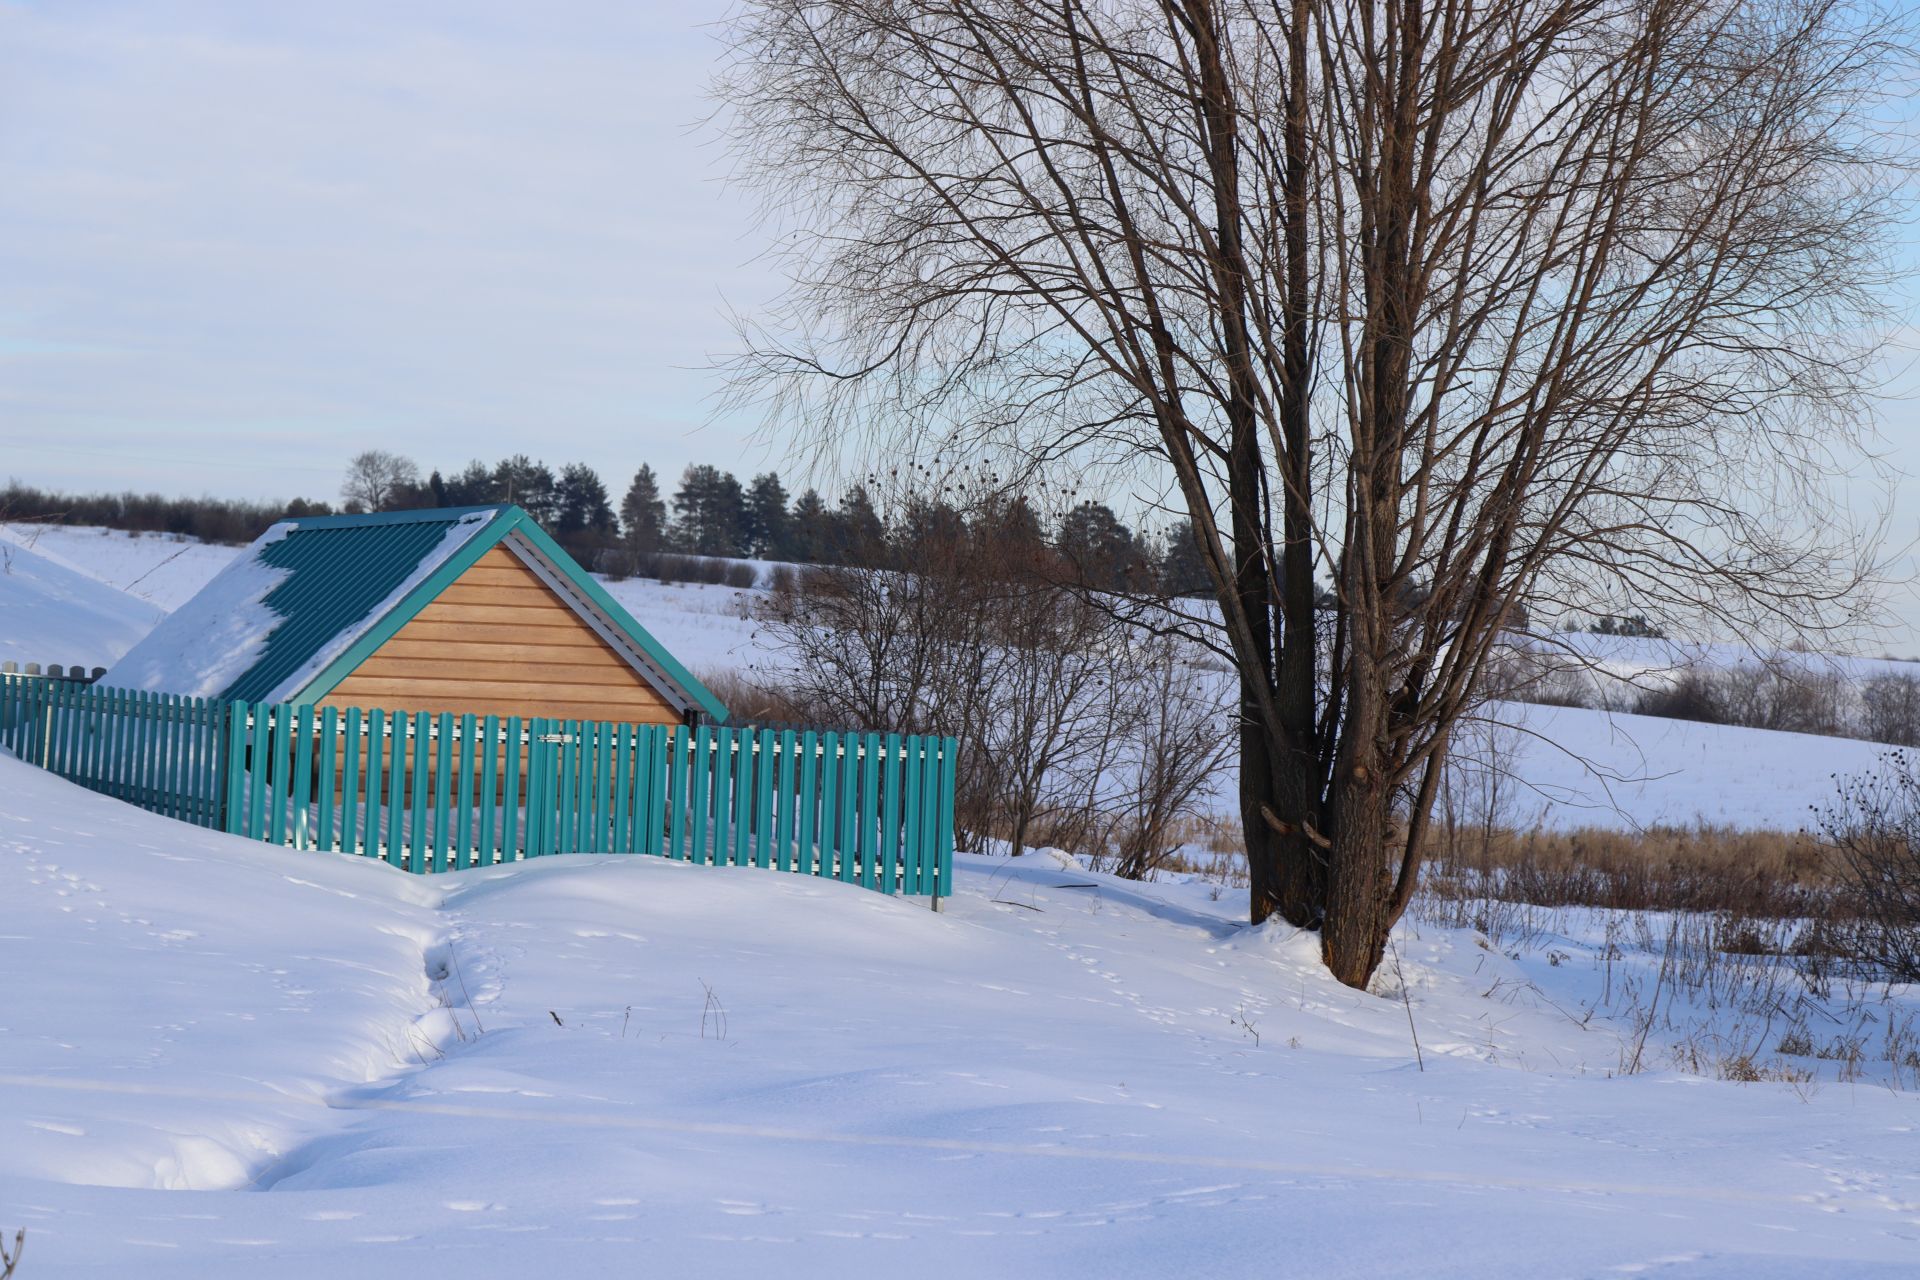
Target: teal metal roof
(341, 586)
(340, 569)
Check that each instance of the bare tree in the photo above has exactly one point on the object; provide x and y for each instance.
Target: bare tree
(1890, 709)
(1470, 308)
(377, 479)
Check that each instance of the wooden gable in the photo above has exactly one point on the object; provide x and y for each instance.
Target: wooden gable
(499, 641)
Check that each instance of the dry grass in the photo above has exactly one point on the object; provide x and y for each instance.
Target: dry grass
(749, 700)
(1748, 873)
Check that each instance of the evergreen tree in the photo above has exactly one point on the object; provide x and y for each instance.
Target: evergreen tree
(473, 487)
(1183, 572)
(929, 527)
(582, 504)
(859, 538)
(810, 529)
(644, 514)
(529, 485)
(1100, 550)
(1010, 531)
(710, 513)
(768, 531)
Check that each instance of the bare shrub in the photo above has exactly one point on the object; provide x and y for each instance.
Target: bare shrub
(1872, 831)
(1694, 695)
(757, 700)
(1075, 730)
(1178, 742)
(1779, 694)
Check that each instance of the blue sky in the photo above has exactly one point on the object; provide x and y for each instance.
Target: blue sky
(240, 242)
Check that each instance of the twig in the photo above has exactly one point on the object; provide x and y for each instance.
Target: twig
(464, 995)
(1407, 1000)
(8, 1261)
(1666, 958)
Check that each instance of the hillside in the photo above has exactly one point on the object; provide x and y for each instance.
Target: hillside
(52, 612)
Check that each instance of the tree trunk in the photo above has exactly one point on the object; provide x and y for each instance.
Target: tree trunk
(1354, 934)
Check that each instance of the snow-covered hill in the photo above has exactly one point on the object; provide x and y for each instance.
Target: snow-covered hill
(158, 569)
(51, 612)
(223, 1059)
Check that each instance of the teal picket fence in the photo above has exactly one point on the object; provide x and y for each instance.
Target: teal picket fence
(158, 751)
(430, 792)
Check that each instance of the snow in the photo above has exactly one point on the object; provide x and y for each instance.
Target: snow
(199, 650)
(220, 1059)
(163, 570)
(1570, 767)
(52, 613)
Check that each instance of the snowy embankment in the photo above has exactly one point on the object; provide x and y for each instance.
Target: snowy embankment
(223, 1059)
(51, 612)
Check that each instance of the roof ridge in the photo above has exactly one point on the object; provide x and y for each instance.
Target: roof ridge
(417, 515)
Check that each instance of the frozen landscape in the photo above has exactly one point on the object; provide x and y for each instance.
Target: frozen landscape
(229, 1060)
(225, 1059)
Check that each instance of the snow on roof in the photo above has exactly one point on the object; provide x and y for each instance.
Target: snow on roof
(293, 602)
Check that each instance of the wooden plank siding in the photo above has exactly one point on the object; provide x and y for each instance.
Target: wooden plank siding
(498, 641)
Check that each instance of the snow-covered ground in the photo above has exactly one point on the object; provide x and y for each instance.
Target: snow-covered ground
(161, 569)
(223, 1059)
(52, 612)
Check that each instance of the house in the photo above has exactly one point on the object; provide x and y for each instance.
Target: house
(470, 609)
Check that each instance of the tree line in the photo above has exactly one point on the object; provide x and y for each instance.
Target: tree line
(712, 514)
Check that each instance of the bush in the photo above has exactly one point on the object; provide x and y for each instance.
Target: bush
(1872, 832)
(668, 566)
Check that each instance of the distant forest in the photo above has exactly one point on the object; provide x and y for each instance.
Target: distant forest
(710, 516)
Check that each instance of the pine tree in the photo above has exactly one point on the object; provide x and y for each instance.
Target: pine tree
(529, 485)
(810, 529)
(1100, 550)
(710, 513)
(1183, 572)
(472, 486)
(582, 504)
(644, 514)
(859, 538)
(768, 526)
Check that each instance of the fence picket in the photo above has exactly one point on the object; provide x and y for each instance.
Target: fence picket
(512, 834)
(659, 758)
(905, 834)
(302, 777)
(434, 791)
(399, 726)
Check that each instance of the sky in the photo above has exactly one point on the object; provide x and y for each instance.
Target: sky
(241, 242)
